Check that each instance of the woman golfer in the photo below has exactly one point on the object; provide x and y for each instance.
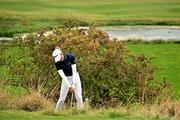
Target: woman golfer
(66, 66)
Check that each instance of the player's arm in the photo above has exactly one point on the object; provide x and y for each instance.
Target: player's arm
(74, 73)
(63, 76)
(74, 70)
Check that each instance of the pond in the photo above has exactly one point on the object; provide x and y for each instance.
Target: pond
(148, 33)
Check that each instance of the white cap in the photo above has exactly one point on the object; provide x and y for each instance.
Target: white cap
(57, 54)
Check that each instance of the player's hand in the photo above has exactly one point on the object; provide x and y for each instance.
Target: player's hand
(71, 89)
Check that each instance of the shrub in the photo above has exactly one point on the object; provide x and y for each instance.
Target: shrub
(109, 73)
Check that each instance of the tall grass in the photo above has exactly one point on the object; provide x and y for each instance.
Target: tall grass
(135, 112)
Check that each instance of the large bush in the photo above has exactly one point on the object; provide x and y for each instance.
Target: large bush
(110, 74)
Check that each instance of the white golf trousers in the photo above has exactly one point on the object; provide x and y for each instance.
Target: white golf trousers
(64, 91)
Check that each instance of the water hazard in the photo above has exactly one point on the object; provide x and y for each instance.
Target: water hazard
(143, 33)
(148, 33)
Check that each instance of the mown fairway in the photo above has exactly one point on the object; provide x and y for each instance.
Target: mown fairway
(166, 56)
(92, 9)
(17, 16)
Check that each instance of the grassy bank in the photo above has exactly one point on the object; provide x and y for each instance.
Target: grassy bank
(23, 16)
(93, 115)
(166, 56)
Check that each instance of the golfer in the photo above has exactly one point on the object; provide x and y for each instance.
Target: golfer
(66, 66)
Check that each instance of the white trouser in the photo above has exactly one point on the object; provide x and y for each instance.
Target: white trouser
(64, 91)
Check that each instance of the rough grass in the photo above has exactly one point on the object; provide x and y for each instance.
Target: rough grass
(136, 111)
(166, 56)
(93, 115)
(170, 109)
(164, 111)
(4, 100)
(33, 102)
